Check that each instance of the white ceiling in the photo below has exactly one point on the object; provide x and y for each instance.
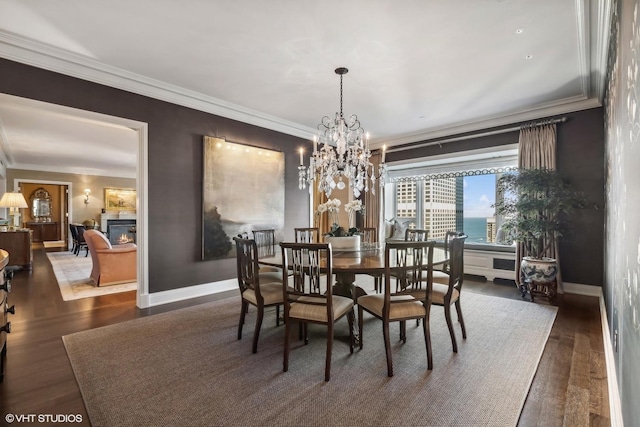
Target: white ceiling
(418, 69)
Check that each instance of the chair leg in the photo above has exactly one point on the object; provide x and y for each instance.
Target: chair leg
(277, 315)
(427, 340)
(87, 252)
(447, 316)
(305, 333)
(360, 324)
(460, 319)
(350, 319)
(287, 332)
(243, 310)
(327, 366)
(256, 332)
(403, 331)
(387, 347)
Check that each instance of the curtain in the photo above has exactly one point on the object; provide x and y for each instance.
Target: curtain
(372, 199)
(537, 150)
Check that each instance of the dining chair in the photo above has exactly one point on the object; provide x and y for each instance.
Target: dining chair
(369, 239)
(308, 295)
(74, 237)
(447, 294)
(307, 235)
(416, 235)
(404, 265)
(266, 244)
(81, 243)
(253, 291)
(441, 275)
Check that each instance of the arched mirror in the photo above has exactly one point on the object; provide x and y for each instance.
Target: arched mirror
(41, 205)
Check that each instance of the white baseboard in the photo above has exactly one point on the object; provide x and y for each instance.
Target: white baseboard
(224, 287)
(615, 406)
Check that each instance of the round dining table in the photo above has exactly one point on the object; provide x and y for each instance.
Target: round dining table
(346, 264)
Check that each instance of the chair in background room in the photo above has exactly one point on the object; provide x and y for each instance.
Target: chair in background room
(405, 263)
(309, 298)
(416, 235)
(253, 291)
(80, 239)
(307, 235)
(111, 264)
(74, 237)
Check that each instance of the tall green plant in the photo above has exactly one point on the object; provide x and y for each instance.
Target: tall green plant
(535, 206)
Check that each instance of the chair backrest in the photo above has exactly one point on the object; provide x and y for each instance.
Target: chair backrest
(456, 262)
(447, 238)
(416, 235)
(247, 266)
(95, 240)
(405, 265)
(265, 241)
(264, 237)
(74, 232)
(80, 229)
(312, 274)
(369, 235)
(307, 235)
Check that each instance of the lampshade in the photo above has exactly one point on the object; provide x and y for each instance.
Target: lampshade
(13, 200)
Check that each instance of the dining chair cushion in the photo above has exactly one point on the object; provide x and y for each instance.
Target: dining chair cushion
(271, 292)
(439, 291)
(318, 312)
(411, 307)
(440, 277)
(270, 276)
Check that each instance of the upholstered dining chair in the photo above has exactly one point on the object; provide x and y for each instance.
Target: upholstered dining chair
(253, 291)
(307, 235)
(405, 263)
(309, 298)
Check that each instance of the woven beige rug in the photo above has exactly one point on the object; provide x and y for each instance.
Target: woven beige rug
(72, 273)
(186, 367)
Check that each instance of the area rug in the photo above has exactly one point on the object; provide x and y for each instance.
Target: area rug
(72, 273)
(186, 367)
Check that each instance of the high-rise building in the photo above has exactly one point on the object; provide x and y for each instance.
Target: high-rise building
(440, 205)
(491, 229)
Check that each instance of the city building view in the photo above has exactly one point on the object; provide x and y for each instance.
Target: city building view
(458, 203)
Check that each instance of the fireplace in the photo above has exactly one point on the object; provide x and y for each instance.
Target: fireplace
(121, 231)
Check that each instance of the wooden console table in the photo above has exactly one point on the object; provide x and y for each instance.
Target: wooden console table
(44, 231)
(18, 244)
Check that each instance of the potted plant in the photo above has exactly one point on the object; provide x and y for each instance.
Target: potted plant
(339, 237)
(535, 207)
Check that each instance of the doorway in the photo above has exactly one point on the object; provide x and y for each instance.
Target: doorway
(51, 231)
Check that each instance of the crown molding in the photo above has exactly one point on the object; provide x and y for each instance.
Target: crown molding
(50, 58)
(535, 113)
(601, 33)
(113, 172)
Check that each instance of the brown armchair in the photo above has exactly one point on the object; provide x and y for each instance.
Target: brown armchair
(111, 264)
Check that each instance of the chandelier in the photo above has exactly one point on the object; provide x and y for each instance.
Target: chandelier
(344, 153)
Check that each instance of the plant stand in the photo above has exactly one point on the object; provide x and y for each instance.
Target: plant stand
(547, 290)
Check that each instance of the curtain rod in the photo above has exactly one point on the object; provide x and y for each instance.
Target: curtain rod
(479, 135)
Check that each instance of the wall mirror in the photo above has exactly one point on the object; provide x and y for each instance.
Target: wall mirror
(41, 205)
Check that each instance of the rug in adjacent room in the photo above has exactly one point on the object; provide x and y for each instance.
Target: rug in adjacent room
(72, 273)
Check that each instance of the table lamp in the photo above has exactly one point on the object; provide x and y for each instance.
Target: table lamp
(13, 201)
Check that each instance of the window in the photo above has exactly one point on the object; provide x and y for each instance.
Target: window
(452, 196)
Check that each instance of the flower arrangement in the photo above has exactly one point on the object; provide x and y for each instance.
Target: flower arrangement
(352, 207)
(332, 206)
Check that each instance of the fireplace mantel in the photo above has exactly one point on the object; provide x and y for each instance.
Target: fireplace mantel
(114, 215)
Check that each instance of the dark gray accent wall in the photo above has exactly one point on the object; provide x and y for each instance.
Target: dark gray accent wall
(175, 167)
(580, 159)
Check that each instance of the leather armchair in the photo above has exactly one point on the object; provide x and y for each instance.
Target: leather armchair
(111, 264)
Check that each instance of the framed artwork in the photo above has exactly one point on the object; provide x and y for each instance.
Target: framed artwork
(119, 199)
(243, 190)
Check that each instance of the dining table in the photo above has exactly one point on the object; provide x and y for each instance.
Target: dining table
(346, 264)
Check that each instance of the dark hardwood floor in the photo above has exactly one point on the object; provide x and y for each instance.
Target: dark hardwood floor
(570, 386)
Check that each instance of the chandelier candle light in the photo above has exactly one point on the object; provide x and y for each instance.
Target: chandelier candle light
(344, 153)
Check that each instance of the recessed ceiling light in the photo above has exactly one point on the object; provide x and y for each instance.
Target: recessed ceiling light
(528, 56)
(519, 31)
(421, 117)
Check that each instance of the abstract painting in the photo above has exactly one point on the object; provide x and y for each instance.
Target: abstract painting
(243, 190)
